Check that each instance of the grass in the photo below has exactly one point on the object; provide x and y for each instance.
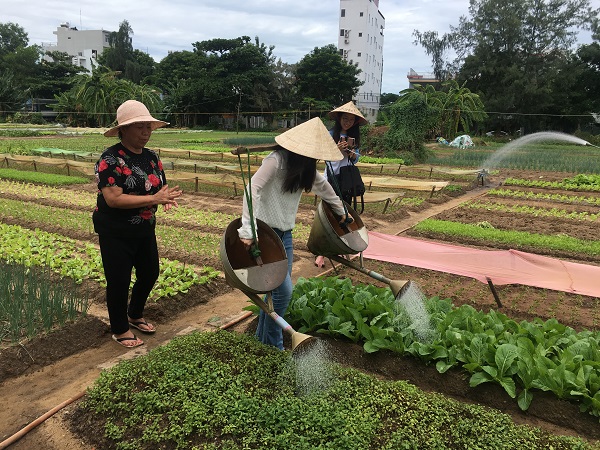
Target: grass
(540, 156)
(492, 236)
(40, 177)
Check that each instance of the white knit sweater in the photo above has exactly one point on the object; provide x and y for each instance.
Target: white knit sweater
(276, 208)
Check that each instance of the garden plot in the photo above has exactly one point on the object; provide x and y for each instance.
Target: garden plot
(520, 302)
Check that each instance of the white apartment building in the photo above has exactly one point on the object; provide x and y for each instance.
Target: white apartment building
(83, 46)
(360, 40)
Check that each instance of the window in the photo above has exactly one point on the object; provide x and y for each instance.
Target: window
(342, 32)
(359, 54)
(359, 34)
(362, 14)
(343, 13)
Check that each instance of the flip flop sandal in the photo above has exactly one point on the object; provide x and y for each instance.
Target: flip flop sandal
(136, 324)
(123, 339)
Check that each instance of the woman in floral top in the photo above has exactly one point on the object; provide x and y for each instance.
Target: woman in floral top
(131, 185)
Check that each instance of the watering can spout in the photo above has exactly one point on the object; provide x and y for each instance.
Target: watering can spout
(302, 342)
(399, 287)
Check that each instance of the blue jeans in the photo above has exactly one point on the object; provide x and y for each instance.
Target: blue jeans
(268, 332)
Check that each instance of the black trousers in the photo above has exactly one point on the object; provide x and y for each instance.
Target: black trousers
(119, 257)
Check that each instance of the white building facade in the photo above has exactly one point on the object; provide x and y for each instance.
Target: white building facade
(360, 41)
(84, 46)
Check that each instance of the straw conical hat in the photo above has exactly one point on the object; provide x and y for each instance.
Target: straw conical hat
(310, 139)
(349, 108)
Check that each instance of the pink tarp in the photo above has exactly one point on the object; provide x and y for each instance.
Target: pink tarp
(501, 266)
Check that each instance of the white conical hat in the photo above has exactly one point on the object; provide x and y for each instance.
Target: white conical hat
(349, 108)
(310, 139)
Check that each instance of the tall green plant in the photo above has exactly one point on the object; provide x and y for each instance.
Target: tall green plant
(410, 120)
(31, 301)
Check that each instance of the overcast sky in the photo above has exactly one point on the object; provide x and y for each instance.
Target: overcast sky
(294, 27)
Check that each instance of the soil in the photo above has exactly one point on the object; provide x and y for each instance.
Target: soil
(39, 374)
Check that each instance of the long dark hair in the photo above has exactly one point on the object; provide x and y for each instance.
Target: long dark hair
(300, 171)
(353, 131)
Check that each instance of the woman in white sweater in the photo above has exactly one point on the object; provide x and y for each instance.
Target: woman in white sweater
(276, 190)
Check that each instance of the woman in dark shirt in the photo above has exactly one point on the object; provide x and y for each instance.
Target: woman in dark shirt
(131, 185)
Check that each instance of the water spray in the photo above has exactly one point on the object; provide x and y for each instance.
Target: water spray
(493, 161)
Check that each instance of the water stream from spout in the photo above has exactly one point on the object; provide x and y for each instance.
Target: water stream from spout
(412, 302)
(313, 369)
(496, 157)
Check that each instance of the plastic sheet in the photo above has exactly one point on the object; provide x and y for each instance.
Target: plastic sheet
(500, 266)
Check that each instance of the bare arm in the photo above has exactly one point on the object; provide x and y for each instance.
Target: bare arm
(115, 198)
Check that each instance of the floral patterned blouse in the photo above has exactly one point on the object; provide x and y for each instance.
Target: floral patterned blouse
(136, 174)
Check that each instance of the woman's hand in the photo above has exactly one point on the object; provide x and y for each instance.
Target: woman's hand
(247, 243)
(167, 196)
(342, 145)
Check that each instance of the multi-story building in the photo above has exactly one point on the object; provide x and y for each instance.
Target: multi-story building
(360, 41)
(84, 46)
(421, 78)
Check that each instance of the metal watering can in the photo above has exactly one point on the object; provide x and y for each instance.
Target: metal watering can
(254, 277)
(329, 239)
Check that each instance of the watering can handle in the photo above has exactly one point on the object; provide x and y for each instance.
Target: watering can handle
(344, 221)
(255, 253)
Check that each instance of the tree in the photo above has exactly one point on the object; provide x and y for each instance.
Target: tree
(220, 75)
(180, 76)
(410, 119)
(436, 47)
(55, 76)
(239, 71)
(324, 76)
(121, 49)
(12, 37)
(16, 56)
(460, 109)
(94, 99)
(12, 97)
(283, 84)
(432, 117)
(512, 51)
(388, 99)
(140, 67)
(121, 57)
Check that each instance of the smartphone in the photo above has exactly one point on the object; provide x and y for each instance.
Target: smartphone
(350, 142)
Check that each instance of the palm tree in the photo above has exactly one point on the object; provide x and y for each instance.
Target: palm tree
(96, 98)
(462, 108)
